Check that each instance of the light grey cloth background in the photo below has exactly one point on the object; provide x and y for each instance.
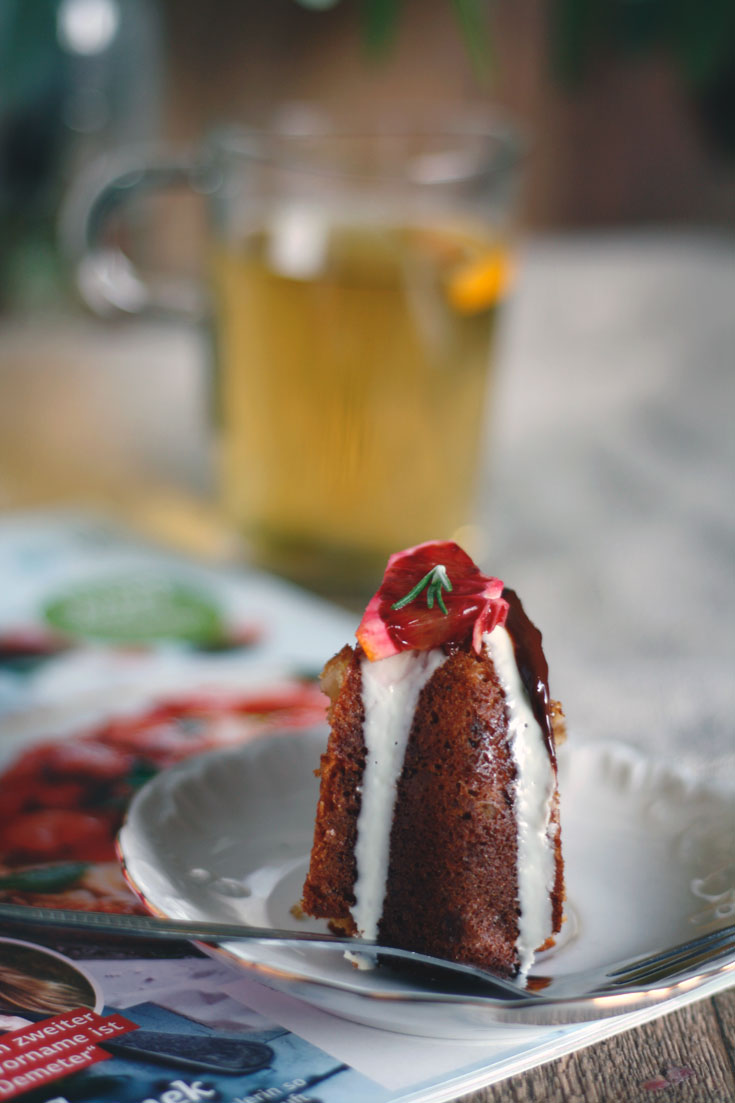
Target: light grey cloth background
(610, 500)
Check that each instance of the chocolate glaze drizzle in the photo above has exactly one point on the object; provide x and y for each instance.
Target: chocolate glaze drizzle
(532, 664)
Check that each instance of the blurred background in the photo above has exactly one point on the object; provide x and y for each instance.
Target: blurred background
(614, 397)
(630, 104)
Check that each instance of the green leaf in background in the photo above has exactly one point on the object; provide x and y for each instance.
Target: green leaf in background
(702, 38)
(698, 37)
(380, 20)
(574, 31)
(137, 608)
(472, 18)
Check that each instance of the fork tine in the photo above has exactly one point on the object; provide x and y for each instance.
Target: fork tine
(676, 959)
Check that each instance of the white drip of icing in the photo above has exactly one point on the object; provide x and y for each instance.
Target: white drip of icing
(390, 691)
(535, 786)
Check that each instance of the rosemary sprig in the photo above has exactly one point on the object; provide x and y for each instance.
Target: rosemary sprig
(434, 580)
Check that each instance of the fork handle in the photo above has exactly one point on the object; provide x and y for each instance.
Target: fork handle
(146, 926)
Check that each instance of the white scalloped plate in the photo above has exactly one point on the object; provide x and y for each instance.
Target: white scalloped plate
(226, 836)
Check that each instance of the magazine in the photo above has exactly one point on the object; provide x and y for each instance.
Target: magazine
(134, 1029)
(117, 662)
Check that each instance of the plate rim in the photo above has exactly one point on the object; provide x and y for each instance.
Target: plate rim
(638, 768)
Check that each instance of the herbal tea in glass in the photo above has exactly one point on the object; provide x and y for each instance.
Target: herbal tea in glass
(355, 277)
(352, 366)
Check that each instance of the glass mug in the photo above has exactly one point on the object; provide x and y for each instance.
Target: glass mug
(355, 279)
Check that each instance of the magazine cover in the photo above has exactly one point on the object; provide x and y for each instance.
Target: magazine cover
(116, 662)
(86, 1021)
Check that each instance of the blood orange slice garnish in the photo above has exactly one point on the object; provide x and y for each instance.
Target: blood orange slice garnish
(431, 594)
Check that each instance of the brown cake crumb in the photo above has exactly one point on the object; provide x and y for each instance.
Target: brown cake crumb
(452, 888)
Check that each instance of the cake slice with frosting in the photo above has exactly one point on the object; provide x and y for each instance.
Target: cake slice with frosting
(437, 827)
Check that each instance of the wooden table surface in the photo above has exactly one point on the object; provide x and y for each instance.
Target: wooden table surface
(685, 1057)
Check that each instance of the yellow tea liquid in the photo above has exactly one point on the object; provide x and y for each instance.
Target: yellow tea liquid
(350, 397)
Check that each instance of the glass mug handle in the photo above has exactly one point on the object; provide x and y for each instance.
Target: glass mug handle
(108, 280)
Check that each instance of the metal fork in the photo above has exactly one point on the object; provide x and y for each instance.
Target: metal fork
(151, 927)
(688, 963)
(675, 962)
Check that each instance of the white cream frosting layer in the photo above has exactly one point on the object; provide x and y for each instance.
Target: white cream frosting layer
(390, 691)
(535, 784)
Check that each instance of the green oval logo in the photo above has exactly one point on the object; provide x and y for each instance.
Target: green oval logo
(136, 609)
